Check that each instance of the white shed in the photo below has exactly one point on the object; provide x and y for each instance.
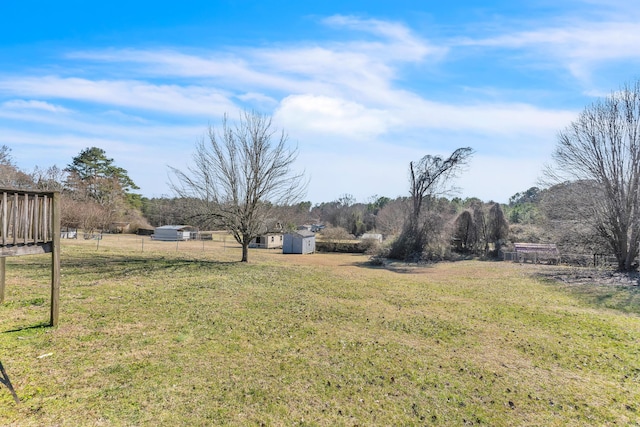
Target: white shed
(299, 242)
(172, 233)
(372, 236)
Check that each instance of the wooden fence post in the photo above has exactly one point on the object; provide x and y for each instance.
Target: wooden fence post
(55, 258)
(4, 379)
(3, 265)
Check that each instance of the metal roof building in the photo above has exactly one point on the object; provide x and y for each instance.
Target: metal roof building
(172, 233)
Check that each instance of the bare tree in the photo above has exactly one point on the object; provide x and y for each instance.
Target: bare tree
(291, 216)
(563, 221)
(431, 176)
(5, 155)
(390, 218)
(465, 233)
(498, 227)
(239, 174)
(10, 175)
(165, 211)
(428, 178)
(602, 146)
(51, 178)
(88, 215)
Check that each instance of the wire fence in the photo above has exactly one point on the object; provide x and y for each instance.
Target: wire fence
(222, 242)
(213, 242)
(583, 260)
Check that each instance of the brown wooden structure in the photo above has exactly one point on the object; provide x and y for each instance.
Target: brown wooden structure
(534, 252)
(30, 224)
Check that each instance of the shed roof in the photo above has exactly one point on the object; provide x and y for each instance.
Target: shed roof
(544, 248)
(303, 233)
(371, 236)
(175, 227)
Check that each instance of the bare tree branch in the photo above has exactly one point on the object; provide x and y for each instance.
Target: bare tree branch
(602, 147)
(240, 174)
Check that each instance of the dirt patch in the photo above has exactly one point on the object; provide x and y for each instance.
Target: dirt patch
(587, 276)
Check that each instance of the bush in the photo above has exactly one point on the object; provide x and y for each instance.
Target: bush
(341, 247)
(335, 233)
(370, 246)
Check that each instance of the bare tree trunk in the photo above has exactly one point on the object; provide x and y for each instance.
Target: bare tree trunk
(245, 251)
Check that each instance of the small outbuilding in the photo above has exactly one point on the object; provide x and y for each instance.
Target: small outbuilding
(534, 252)
(69, 233)
(173, 233)
(267, 241)
(145, 231)
(372, 236)
(299, 242)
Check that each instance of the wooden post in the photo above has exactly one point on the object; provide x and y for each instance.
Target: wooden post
(55, 258)
(25, 218)
(15, 218)
(3, 265)
(5, 210)
(4, 379)
(36, 216)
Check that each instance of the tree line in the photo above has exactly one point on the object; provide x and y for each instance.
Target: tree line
(242, 180)
(95, 193)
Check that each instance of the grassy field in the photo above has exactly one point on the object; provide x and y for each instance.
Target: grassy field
(182, 334)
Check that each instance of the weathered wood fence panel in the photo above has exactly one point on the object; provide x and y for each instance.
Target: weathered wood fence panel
(533, 252)
(30, 224)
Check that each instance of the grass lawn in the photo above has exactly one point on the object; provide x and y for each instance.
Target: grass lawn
(157, 333)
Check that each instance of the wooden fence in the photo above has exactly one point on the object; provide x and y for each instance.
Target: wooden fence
(533, 252)
(30, 224)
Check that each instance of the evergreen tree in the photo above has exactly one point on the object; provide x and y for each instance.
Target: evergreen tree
(92, 175)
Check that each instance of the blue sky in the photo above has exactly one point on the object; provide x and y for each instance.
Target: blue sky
(362, 87)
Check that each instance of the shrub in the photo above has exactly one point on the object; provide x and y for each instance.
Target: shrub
(335, 233)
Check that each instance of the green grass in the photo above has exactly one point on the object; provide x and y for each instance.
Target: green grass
(166, 337)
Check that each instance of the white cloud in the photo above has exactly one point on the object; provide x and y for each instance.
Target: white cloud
(325, 115)
(184, 100)
(488, 118)
(239, 68)
(579, 46)
(357, 69)
(21, 104)
(400, 43)
(259, 98)
(356, 117)
(586, 41)
(310, 115)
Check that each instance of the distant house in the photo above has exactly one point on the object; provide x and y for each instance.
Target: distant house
(173, 233)
(267, 241)
(311, 227)
(372, 236)
(299, 242)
